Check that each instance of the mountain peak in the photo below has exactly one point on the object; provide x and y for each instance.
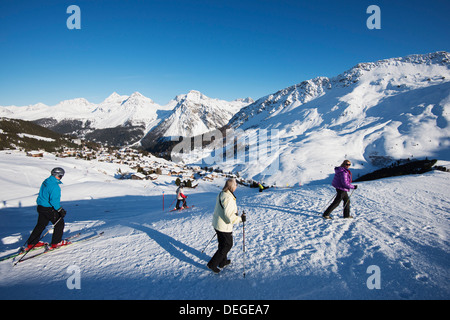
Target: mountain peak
(247, 100)
(115, 97)
(138, 98)
(137, 94)
(75, 102)
(195, 96)
(353, 75)
(194, 93)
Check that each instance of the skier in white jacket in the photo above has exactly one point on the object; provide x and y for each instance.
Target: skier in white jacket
(224, 217)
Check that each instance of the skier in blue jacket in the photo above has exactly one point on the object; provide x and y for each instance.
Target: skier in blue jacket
(49, 210)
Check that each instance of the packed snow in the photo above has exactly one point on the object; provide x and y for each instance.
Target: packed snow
(400, 229)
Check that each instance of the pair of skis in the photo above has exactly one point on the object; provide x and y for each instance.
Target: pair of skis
(23, 253)
(182, 208)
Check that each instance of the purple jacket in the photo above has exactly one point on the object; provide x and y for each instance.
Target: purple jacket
(342, 179)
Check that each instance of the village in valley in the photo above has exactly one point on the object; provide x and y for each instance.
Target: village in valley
(142, 164)
(133, 163)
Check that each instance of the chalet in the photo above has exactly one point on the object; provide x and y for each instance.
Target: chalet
(35, 154)
(138, 176)
(208, 177)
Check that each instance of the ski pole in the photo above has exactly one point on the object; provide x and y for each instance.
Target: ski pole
(172, 202)
(215, 234)
(243, 243)
(37, 242)
(334, 197)
(349, 198)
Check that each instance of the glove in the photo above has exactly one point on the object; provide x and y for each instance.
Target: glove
(61, 212)
(244, 217)
(356, 187)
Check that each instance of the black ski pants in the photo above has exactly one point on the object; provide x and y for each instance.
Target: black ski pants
(225, 244)
(182, 202)
(46, 215)
(340, 196)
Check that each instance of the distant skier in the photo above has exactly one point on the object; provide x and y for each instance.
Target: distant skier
(49, 210)
(181, 197)
(342, 181)
(260, 186)
(225, 215)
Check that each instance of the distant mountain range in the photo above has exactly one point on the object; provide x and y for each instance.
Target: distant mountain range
(372, 114)
(126, 120)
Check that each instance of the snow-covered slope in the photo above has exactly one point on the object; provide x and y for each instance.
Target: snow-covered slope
(401, 226)
(371, 114)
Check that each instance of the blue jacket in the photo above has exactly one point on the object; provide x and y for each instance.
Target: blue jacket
(50, 193)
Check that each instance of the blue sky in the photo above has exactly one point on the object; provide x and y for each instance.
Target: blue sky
(226, 49)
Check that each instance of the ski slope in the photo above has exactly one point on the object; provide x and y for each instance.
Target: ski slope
(401, 225)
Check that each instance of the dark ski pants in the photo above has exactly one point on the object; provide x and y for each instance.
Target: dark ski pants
(47, 215)
(340, 196)
(183, 201)
(225, 245)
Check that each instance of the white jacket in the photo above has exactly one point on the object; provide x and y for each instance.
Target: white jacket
(225, 212)
(180, 193)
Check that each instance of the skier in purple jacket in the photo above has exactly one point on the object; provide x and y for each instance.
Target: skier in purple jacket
(342, 181)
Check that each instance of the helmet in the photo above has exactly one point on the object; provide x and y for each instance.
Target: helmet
(58, 172)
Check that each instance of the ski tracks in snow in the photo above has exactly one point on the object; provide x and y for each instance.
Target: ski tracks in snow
(400, 225)
(401, 228)
(286, 231)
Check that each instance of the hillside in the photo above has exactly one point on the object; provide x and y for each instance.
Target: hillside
(20, 134)
(372, 114)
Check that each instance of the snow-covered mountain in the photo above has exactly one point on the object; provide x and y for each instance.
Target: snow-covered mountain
(194, 114)
(371, 114)
(118, 120)
(131, 116)
(118, 110)
(114, 111)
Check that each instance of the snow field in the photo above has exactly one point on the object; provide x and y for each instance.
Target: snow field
(400, 225)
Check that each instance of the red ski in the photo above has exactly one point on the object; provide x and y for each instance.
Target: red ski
(182, 208)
